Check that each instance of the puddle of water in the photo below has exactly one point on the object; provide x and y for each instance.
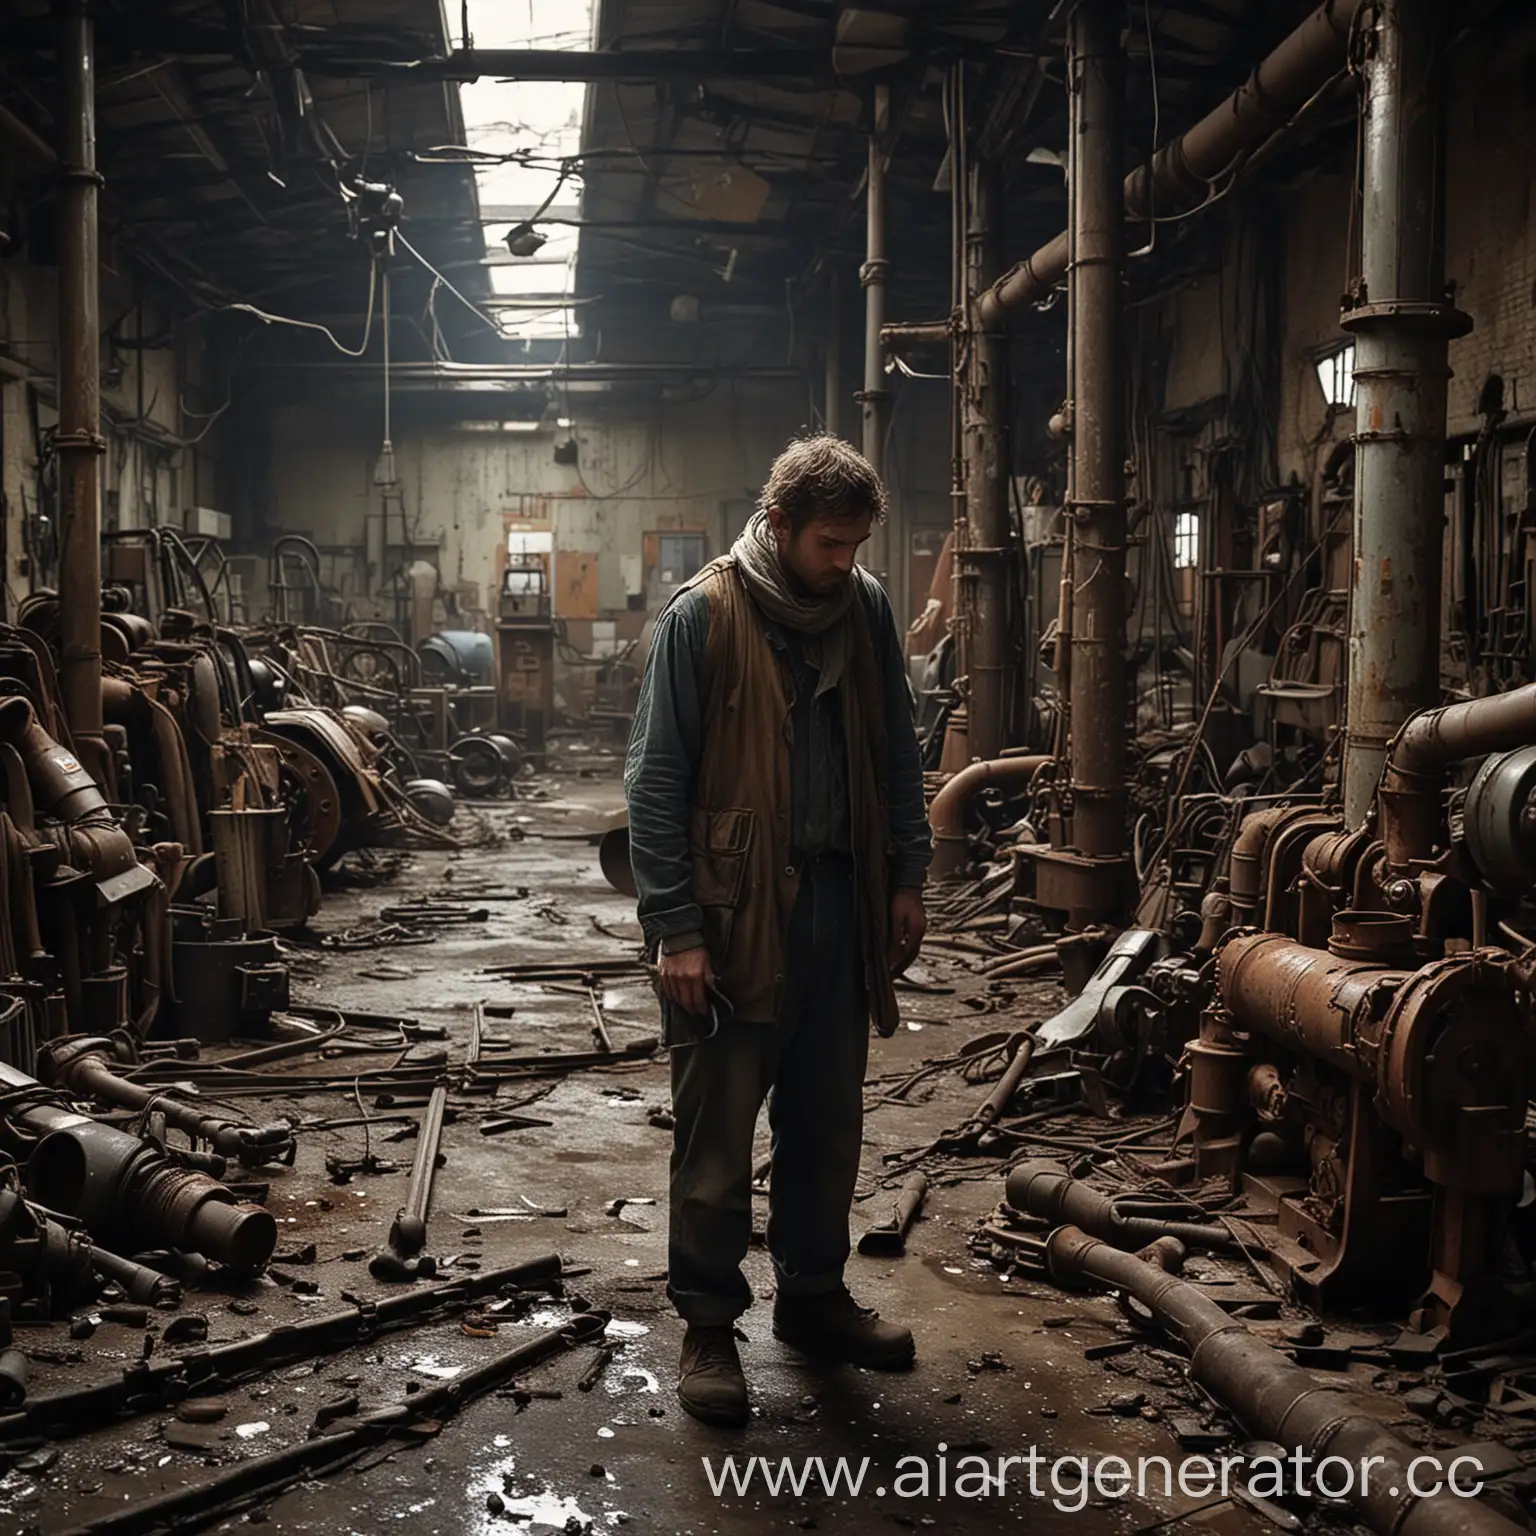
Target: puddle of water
(548, 1508)
(543, 1507)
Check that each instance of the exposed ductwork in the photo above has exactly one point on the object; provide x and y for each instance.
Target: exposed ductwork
(1182, 173)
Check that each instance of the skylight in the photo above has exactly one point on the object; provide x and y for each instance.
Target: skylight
(540, 122)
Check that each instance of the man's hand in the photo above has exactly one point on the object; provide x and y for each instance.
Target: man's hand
(683, 978)
(908, 925)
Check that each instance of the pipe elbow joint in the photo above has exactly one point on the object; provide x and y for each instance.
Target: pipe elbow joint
(61, 784)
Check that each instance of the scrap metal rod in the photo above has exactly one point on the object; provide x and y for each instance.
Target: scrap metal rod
(488, 1070)
(262, 1476)
(408, 1235)
(600, 1036)
(146, 1384)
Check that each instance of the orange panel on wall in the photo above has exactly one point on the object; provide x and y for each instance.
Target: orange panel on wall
(575, 584)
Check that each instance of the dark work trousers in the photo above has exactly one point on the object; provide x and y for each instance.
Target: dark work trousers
(810, 1065)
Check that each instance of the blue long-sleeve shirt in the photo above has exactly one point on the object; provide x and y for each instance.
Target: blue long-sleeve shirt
(668, 738)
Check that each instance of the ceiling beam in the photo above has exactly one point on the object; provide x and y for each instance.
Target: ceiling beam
(576, 66)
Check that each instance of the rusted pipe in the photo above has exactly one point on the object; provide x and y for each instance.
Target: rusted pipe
(1184, 172)
(59, 784)
(92, 838)
(85, 1066)
(1045, 1189)
(1431, 740)
(1245, 864)
(946, 814)
(915, 333)
(175, 777)
(1024, 962)
(79, 442)
(1276, 1400)
(126, 1193)
(874, 398)
(888, 1238)
(1426, 746)
(982, 550)
(1443, 1046)
(1096, 506)
(1403, 325)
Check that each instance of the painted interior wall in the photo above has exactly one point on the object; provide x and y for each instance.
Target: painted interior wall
(646, 467)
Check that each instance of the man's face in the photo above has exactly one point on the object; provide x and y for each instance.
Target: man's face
(822, 555)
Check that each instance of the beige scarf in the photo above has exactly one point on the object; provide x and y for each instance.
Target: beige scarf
(822, 620)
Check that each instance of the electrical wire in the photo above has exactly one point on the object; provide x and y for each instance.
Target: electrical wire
(314, 325)
(468, 304)
(208, 425)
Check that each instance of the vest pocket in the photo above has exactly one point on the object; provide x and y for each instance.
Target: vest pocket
(720, 842)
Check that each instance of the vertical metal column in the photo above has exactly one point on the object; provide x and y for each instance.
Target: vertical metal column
(80, 444)
(982, 563)
(874, 398)
(832, 412)
(1096, 80)
(1402, 325)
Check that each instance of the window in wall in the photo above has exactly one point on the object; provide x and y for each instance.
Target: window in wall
(1336, 375)
(1186, 541)
(682, 556)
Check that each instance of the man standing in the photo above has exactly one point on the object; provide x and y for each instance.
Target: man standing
(779, 844)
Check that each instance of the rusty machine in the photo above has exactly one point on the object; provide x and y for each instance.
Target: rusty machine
(1365, 1047)
(1353, 1023)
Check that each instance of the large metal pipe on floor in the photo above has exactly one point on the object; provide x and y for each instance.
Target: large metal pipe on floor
(1275, 1399)
(1182, 172)
(79, 441)
(1096, 506)
(981, 561)
(1402, 324)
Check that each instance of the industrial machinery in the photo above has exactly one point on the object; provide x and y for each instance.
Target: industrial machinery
(525, 654)
(1354, 1020)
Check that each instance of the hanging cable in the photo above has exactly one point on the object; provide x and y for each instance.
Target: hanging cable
(314, 325)
(469, 304)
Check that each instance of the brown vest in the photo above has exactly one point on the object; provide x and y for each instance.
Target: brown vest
(744, 876)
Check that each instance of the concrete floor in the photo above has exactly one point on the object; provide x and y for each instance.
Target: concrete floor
(623, 1453)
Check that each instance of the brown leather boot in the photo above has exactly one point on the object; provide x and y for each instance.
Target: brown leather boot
(710, 1383)
(836, 1327)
